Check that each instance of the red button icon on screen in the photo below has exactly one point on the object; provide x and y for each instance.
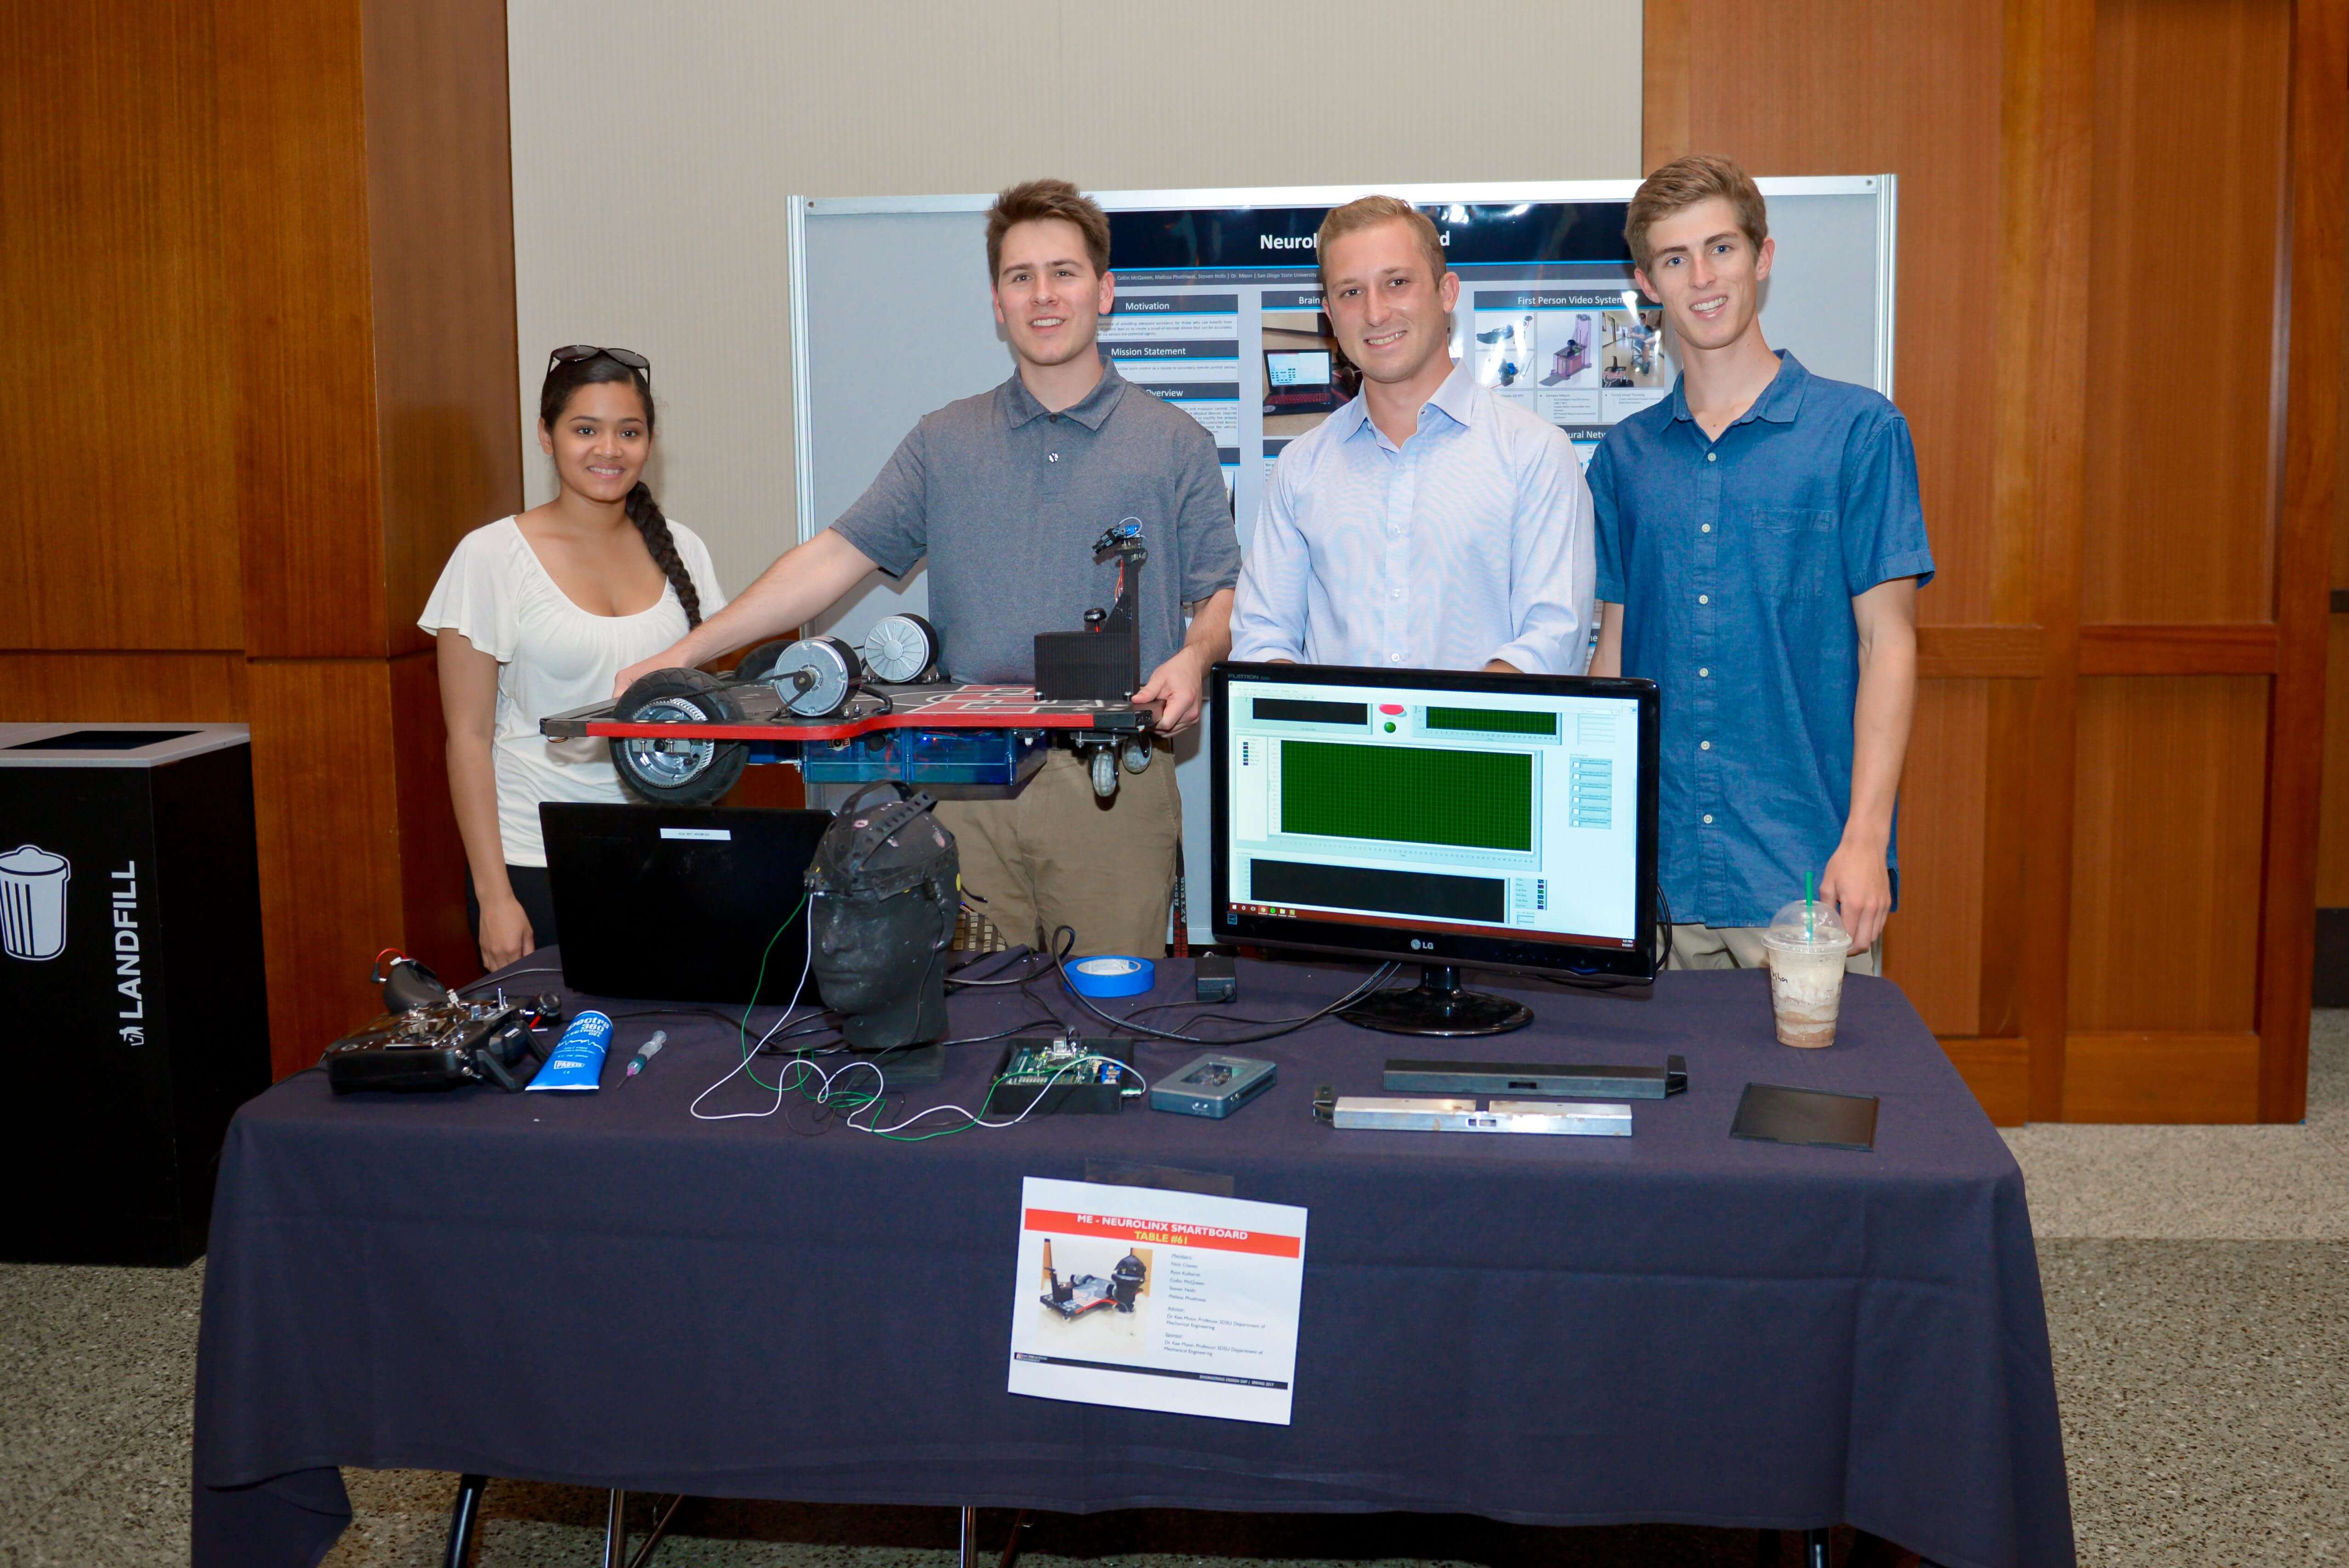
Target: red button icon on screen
(1390, 707)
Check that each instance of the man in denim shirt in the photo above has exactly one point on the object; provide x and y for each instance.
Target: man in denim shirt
(1760, 548)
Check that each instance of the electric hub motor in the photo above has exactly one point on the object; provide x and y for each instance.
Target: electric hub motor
(814, 677)
(687, 770)
(900, 649)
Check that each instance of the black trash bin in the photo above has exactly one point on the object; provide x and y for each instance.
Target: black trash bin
(132, 994)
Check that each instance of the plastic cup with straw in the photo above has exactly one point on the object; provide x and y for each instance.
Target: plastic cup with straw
(1807, 947)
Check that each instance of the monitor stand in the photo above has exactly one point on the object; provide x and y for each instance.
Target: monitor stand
(1438, 1006)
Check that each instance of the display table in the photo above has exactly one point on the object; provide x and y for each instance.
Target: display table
(1675, 1326)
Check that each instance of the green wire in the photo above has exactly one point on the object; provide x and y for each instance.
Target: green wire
(742, 1030)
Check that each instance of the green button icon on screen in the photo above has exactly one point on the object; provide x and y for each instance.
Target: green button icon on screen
(1390, 726)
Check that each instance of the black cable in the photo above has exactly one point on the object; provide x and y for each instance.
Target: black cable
(504, 975)
(727, 1019)
(1003, 976)
(1061, 951)
(1006, 1033)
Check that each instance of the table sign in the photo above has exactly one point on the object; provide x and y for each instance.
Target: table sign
(1156, 1301)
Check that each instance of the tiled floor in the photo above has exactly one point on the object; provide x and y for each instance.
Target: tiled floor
(2198, 1291)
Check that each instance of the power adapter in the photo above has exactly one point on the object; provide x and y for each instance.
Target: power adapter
(1217, 978)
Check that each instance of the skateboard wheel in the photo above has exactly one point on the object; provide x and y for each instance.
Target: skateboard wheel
(679, 772)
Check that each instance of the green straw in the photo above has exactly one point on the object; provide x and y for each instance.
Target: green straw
(1810, 933)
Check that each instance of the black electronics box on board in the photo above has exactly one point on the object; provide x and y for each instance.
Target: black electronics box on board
(130, 969)
(1088, 666)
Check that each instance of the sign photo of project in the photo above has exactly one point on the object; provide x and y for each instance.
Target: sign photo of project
(1306, 377)
(1098, 1291)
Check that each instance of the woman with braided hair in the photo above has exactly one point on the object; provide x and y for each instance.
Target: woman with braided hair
(535, 614)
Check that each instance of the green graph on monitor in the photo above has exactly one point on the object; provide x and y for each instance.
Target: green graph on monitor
(1408, 794)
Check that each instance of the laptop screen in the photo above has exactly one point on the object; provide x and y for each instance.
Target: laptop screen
(1285, 368)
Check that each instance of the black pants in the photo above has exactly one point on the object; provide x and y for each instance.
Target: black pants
(532, 891)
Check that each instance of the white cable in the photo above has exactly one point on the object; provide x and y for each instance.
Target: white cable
(751, 1054)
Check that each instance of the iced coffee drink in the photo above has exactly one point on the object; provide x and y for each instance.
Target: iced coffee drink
(1806, 946)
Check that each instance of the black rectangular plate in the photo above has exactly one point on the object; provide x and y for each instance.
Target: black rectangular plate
(1771, 1113)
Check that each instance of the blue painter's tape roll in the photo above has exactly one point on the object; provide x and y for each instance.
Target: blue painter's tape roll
(1112, 975)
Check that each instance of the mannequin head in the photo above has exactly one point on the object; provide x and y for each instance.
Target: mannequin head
(883, 890)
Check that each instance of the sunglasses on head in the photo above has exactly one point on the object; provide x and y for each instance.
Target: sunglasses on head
(579, 351)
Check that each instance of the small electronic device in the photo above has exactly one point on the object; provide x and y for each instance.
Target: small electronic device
(1538, 1078)
(1063, 1076)
(1380, 1112)
(1215, 978)
(428, 1037)
(1213, 1085)
(1443, 816)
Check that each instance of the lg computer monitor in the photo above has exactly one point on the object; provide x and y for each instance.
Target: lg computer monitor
(1449, 818)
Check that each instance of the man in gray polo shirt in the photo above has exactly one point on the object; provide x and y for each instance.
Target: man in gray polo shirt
(1004, 494)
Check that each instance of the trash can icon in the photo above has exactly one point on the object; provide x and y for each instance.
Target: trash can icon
(32, 902)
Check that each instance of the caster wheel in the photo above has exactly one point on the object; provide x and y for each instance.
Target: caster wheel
(681, 771)
(1135, 754)
(1105, 766)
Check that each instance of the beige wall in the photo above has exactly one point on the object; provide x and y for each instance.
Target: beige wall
(653, 147)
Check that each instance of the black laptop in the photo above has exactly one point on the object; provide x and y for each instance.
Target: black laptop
(678, 903)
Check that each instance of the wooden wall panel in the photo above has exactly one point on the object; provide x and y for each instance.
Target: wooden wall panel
(327, 805)
(2166, 868)
(1914, 90)
(2333, 854)
(1933, 946)
(2188, 189)
(432, 853)
(119, 529)
(122, 687)
(2162, 1077)
(1998, 1070)
(294, 196)
(440, 206)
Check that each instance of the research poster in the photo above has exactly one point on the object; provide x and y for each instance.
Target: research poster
(1156, 1301)
(1220, 313)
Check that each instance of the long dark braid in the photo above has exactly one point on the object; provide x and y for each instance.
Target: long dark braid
(564, 377)
(646, 514)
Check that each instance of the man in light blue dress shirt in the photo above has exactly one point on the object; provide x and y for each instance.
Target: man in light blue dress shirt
(1427, 524)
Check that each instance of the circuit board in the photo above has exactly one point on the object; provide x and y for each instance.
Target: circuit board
(1063, 1075)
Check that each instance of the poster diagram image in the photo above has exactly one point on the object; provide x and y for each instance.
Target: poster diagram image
(32, 902)
(1307, 376)
(1110, 1296)
(1505, 349)
(1574, 363)
(1630, 349)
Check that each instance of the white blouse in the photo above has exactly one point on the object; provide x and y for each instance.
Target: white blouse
(552, 657)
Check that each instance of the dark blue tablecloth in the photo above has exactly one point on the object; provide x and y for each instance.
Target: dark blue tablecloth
(1675, 1326)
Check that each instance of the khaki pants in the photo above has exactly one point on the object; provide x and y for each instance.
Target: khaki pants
(1740, 947)
(1058, 854)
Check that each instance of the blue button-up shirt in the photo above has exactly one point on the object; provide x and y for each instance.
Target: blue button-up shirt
(1736, 562)
(1471, 541)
